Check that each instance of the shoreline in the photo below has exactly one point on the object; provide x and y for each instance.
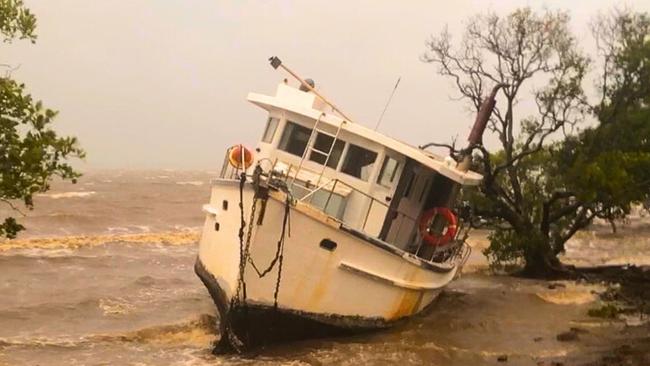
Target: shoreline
(482, 318)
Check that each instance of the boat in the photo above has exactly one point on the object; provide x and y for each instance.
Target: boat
(328, 227)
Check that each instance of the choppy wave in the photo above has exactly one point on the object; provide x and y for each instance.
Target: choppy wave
(184, 237)
(191, 183)
(447, 349)
(115, 306)
(200, 332)
(77, 194)
(129, 230)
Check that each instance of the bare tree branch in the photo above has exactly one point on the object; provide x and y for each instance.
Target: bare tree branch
(13, 207)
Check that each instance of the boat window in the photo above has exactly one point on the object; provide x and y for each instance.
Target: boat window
(359, 162)
(322, 147)
(329, 202)
(269, 132)
(294, 138)
(388, 172)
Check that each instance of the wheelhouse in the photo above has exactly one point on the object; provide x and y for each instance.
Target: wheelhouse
(366, 180)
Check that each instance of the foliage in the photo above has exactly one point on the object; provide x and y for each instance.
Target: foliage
(16, 21)
(610, 163)
(31, 153)
(607, 311)
(546, 182)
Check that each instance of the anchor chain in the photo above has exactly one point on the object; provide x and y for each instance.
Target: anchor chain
(247, 231)
(245, 235)
(241, 284)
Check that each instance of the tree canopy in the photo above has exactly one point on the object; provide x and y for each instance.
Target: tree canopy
(16, 21)
(552, 174)
(31, 152)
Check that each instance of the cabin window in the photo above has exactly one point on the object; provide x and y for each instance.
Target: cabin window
(359, 162)
(271, 127)
(331, 203)
(294, 138)
(388, 172)
(322, 147)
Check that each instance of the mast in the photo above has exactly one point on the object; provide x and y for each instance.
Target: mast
(476, 136)
(276, 62)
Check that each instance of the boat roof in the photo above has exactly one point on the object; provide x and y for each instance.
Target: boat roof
(303, 103)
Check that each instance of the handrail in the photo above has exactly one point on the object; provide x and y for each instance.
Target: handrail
(229, 172)
(372, 201)
(312, 137)
(319, 188)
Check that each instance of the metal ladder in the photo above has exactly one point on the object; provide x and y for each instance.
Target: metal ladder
(309, 148)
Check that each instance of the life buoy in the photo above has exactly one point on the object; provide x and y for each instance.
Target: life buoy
(236, 159)
(425, 223)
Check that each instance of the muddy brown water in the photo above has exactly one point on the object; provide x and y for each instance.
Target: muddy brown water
(104, 276)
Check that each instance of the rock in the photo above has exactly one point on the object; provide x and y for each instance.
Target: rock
(553, 286)
(625, 349)
(567, 336)
(537, 339)
(578, 330)
(607, 311)
(612, 359)
(502, 358)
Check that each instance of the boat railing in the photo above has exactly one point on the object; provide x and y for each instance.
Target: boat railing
(456, 253)
(330, 188)
(323, 196)
(306, 192)
(331, 195)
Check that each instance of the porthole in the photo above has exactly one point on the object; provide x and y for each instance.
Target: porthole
(328, 244)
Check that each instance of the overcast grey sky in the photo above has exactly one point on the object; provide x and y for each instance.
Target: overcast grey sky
(162, 83)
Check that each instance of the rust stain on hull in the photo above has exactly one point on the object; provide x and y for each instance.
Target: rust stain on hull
(323, 284)
(408, 304)
(409, 301)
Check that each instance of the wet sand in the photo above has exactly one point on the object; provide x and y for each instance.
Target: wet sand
(113, 283)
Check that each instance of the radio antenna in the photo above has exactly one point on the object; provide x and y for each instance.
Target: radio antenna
(387, 103)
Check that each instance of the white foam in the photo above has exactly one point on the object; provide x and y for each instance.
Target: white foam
(191, 183)
(572, 293)
(117, 306)
(135, 229)
(56, 196)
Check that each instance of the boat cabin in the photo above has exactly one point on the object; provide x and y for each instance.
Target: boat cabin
(364, 179)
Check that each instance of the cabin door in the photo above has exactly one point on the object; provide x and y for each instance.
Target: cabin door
(383, 189)
(408, 201)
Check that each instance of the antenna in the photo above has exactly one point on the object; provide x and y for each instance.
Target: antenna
(388, 102)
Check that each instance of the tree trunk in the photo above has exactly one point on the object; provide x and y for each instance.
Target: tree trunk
(541, 261)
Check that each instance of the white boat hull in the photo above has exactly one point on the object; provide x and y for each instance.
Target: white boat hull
(330, 275)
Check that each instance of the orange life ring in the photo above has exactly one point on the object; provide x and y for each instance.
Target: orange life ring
(425, 223)
(236, 159)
